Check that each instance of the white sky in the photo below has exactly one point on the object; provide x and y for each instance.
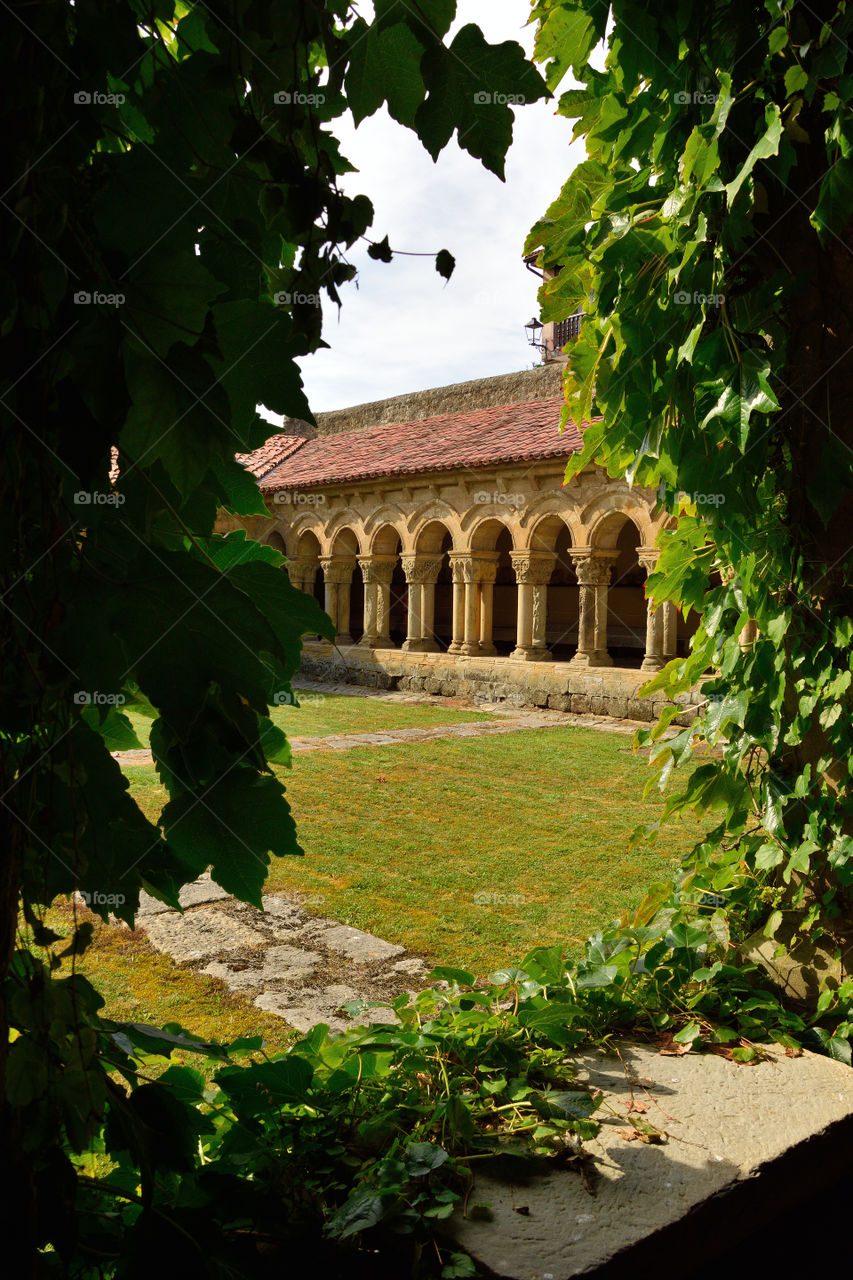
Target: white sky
(402, 328)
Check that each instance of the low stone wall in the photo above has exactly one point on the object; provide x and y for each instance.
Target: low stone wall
(600, 691)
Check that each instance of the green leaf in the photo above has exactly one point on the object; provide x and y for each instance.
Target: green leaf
(381, 251)
(766, 146)
(796, 79)
(445, 264)
(472, 87)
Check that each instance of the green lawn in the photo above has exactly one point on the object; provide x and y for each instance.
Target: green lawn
(321, 714)
(402, 840)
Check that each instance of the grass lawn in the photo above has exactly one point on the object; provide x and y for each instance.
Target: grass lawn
(405, 840)
(141, 985)
(320, 714)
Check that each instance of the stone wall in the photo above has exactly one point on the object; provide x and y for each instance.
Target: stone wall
(459, 397)
(603, 691)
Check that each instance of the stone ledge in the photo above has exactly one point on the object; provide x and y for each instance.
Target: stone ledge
(598, 691)
(744, 1144)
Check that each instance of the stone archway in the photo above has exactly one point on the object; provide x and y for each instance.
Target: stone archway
(385, 590)
(430, 590)
(344, 588)
(550, 574)
(474, 575)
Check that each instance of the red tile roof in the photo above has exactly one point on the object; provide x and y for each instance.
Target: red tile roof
(273, 451)
(483, 437)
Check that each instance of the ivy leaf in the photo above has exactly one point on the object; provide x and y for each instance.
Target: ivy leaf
(471, 87)
(766, 146)
(381, 251)
(445, 264)
(233, 825)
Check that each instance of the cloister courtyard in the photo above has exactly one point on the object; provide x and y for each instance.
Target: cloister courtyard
(466, 836)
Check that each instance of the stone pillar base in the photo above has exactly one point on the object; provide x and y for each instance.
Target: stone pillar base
(344, 642)
(420, 646)
(455, 647)
(477, 650)
(653, 663)
(530, 653)
(598, 658)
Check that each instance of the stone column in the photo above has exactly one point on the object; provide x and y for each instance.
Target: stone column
(338, 573)
(473, 585)
(487, 571)
(421, 576)
(670, 630)
(377, 572)
(532, 573)
(593, 573)
(654, 656)
(456, 564)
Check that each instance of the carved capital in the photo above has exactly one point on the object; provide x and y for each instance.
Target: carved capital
(648, 558)
(592, 569)
(377, 568)
(533, 568)
(298, 569)
(337, 569)
(419, 569)
(474, 567)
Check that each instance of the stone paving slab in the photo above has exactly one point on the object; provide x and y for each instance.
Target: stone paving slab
(200, 934)
(725, 1128)
(192, 895)
(289, 962)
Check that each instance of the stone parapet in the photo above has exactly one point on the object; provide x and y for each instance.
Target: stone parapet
(609, 691)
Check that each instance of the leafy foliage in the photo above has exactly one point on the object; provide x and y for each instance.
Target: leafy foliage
(173, 226)
(706, 235)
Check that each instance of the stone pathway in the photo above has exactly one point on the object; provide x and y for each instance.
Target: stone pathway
(287, 961)
(511, 721)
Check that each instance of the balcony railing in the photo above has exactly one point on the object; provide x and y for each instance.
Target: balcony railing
(565, 330)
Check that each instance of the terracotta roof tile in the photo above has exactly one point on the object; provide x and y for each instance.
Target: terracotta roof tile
(503, 433)
(273, 451)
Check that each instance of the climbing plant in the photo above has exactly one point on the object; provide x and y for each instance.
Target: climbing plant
(707, 237)
(173, 226)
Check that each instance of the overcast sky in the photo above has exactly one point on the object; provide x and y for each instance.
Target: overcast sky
(402, 328)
